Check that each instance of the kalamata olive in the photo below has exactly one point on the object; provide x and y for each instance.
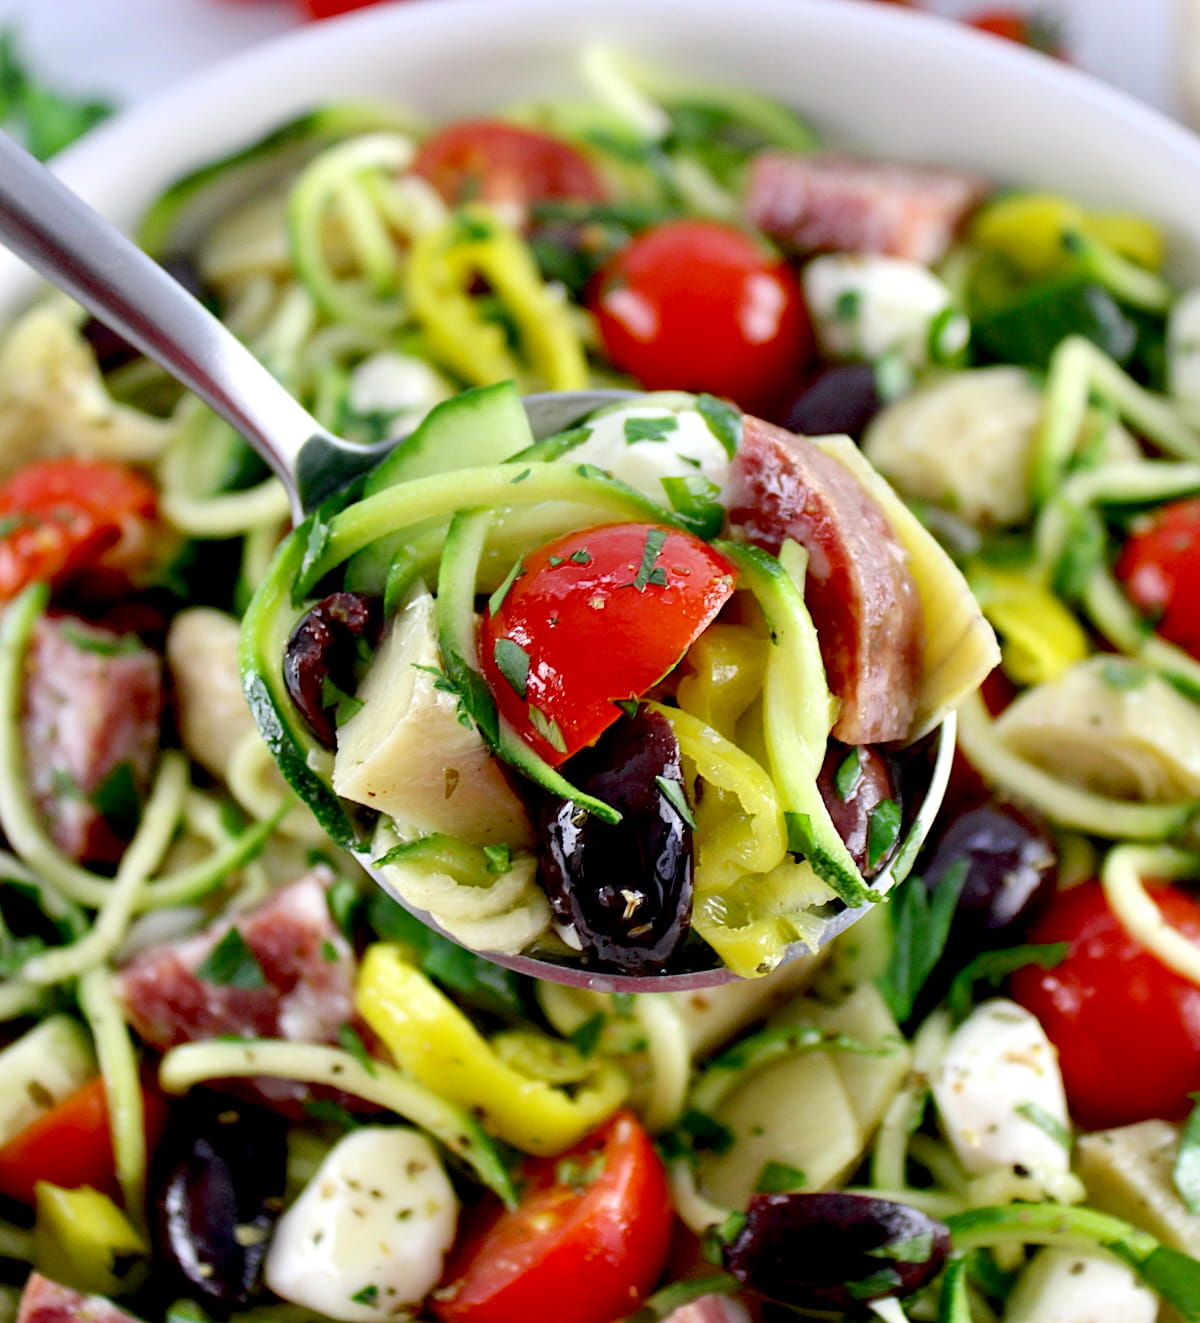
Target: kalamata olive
(626, 889)
(854, 781)
(318, 663)
(834, 1251)
(1011, 872)
(840, 399)
(216, 1191)
(112, 350)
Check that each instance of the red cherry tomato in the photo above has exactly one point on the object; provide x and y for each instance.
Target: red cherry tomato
(595, 618)
(697, 305)
(62, 517)
(505, 166)
(70, 1145)
(329, 8)
(1034, 30)
(588, 1241)
(1160, 568)
(1126, 1027)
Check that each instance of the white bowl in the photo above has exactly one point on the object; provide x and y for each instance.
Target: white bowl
(891, 81)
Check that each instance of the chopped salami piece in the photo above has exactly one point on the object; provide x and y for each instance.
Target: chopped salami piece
(858, 588)
(710, 1309)
(44, 1301)
(288, 973)
(90, 728)
(846, 204)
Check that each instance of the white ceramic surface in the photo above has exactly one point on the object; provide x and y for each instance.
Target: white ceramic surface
(888, 79)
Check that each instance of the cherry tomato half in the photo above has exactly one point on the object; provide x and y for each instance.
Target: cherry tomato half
(506, 166)
(587, 1242)
(61, 517)
(1159, 566)
(70, 1145)
(1126, 1027)
(593, 619)
(697, 305)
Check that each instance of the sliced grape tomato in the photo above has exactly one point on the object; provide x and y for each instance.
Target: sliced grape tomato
(593, 619)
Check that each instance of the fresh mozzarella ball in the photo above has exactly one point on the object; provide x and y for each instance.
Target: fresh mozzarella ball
(868, 306)
(999, 1092)
(396, 387)
(1183, 348)
(366, 1238)
(1064, 1286)
(683, 445)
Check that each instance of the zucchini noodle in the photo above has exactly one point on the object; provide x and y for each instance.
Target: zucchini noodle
(696, 1212)
(122, 1088)
(231, 513)
(193, 1063)
(332, 189)
(158, 824)
(662, 1102)
(18, 998)
(1122, 874)
(254, 781)
(889, 1158)
(1078, 369)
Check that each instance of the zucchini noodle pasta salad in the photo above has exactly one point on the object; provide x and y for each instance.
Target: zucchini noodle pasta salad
(652, 693)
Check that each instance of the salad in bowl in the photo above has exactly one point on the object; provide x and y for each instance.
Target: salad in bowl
(243, 1082)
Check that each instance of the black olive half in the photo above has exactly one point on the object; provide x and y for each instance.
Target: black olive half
(625, 889)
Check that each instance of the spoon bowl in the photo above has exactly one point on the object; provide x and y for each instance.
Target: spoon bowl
(72, 247)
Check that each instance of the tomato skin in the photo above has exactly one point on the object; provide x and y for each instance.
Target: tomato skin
(1126, 1027)
(592, 636)
(506, 166)
(330, 8)
(697, 305)
(63, 517)
(568, 1254)
(1159, 567)
(71, 1146)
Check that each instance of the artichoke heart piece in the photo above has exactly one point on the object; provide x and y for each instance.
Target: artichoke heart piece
(1110, 725)
(406, 754)
(960, 647)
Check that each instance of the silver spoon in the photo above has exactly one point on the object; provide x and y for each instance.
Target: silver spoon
(70, 245)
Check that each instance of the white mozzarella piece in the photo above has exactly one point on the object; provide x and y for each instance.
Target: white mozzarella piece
(1064, 1286)
(1183, 347)
(999, 1091)
(397, 386)
(405, 752)
(687, 447)
(366, 1238)
(870, 306)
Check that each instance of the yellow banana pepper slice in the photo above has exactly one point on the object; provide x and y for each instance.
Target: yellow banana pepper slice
(1029, 230)
(432, 1040)
(443, 265)
(1040, 638)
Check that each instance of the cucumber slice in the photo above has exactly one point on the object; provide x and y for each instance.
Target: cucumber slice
(180, 217)
(43, 1067)
(456, 638)
(480, 427)
(796, 717)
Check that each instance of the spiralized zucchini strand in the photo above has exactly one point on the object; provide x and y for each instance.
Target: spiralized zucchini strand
(122, 1087)
(1122, 878)
(158, 824)
(313, 1063)
(1079, 370)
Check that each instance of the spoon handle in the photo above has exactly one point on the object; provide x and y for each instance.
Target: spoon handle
(64, 240)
